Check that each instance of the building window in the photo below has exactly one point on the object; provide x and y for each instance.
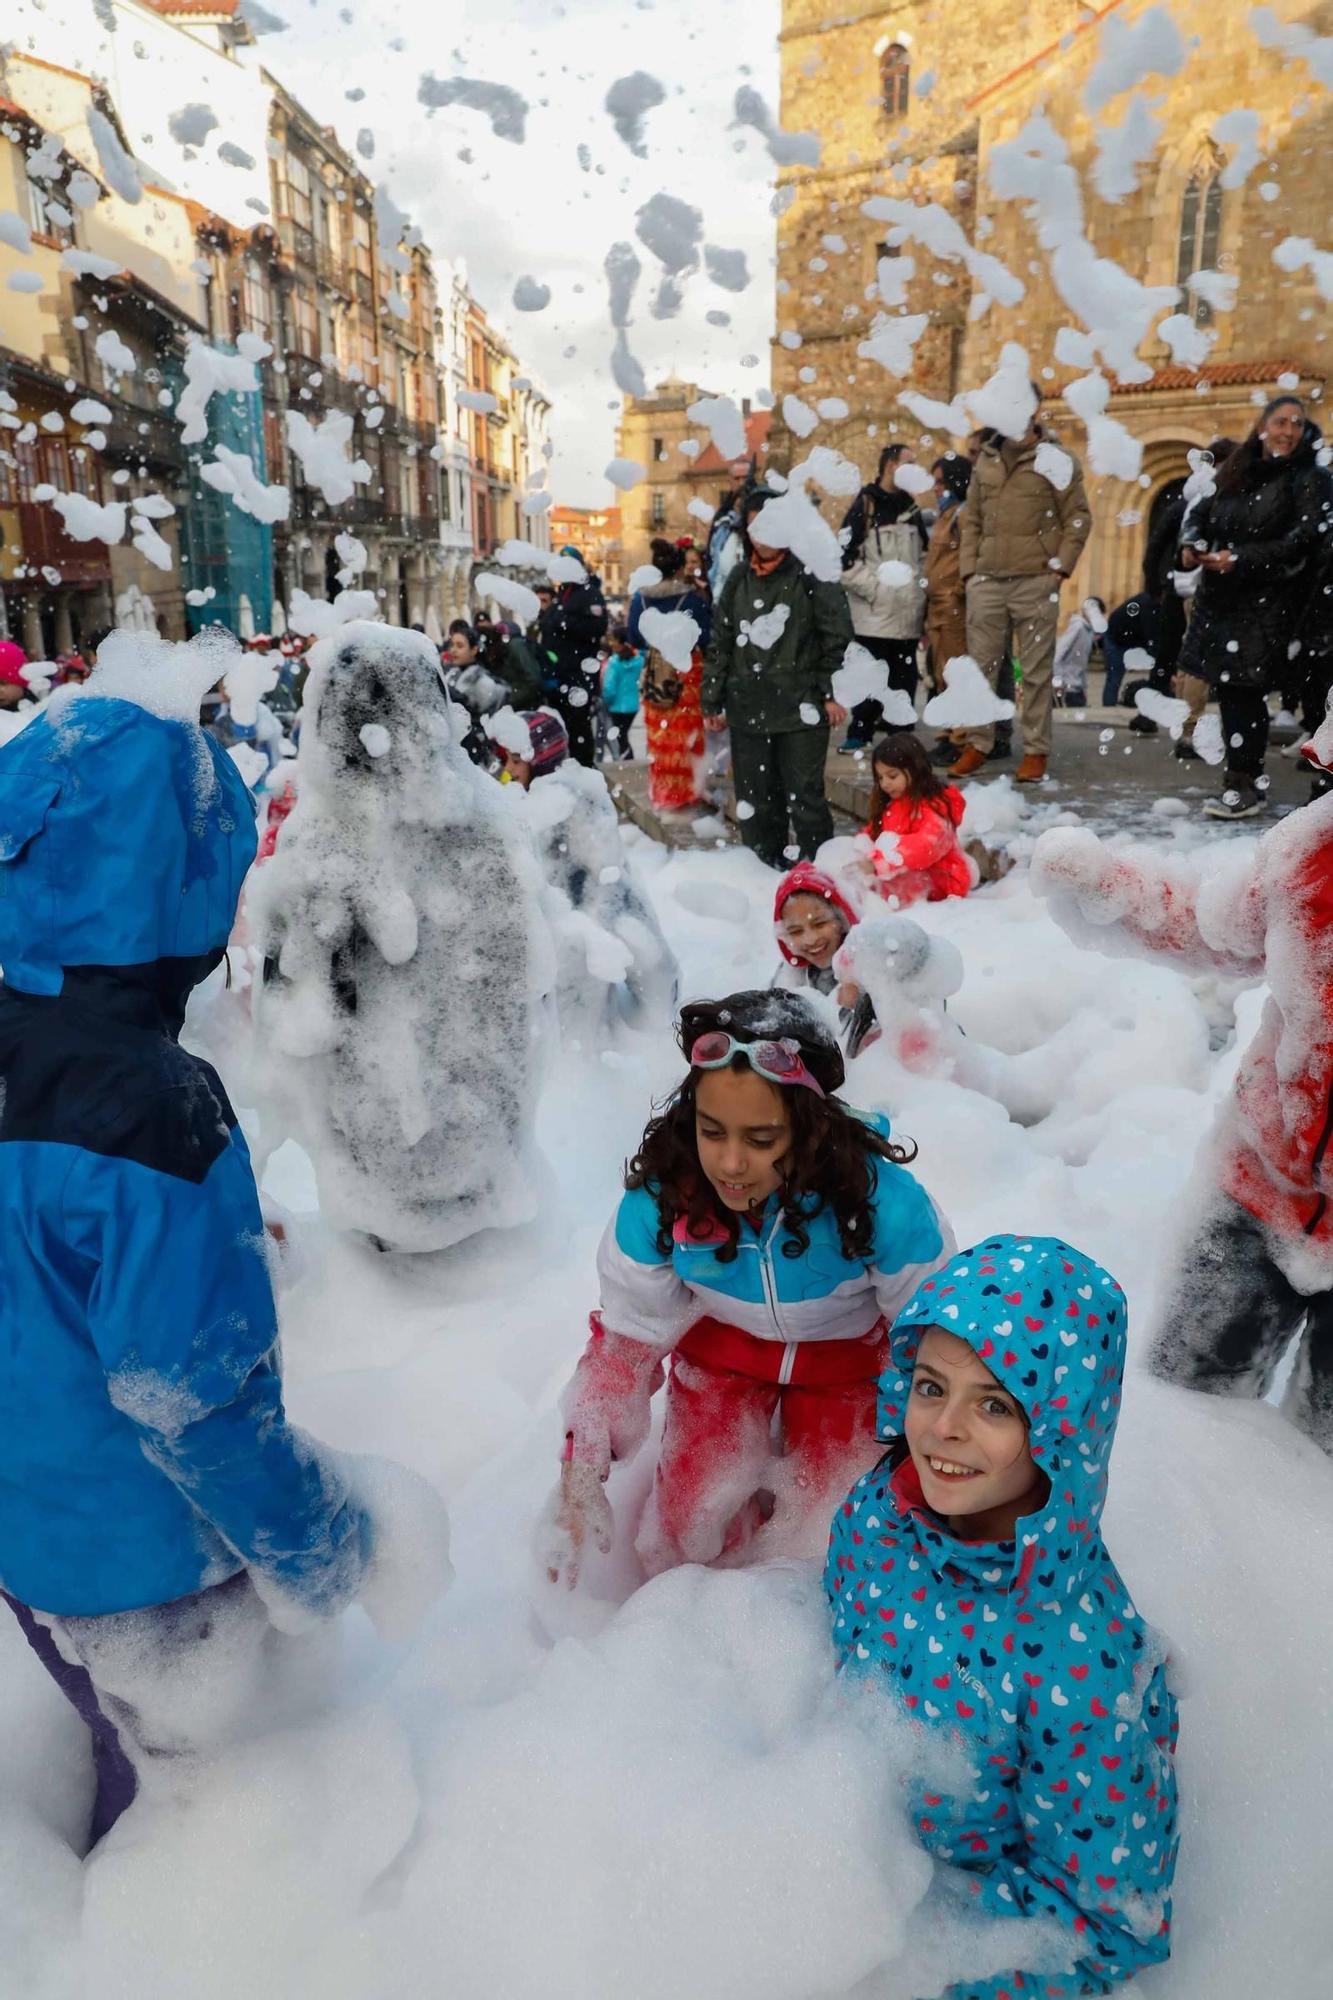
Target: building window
(658, 514)
(298, 192)
(895, 80)
(305, 325)
(256, 298)
(1200, 227)
(659, 450)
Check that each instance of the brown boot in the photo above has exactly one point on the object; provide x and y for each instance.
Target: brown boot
(971, 760)
(1031, 771)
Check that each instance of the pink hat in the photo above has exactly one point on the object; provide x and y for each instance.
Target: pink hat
(12, 659)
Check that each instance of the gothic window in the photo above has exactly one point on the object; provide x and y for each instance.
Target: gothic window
(1200, 229)
(895, 80)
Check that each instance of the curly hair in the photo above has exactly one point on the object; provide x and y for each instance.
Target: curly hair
(828, 1164)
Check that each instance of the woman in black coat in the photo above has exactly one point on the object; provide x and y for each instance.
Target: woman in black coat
(1255, 537)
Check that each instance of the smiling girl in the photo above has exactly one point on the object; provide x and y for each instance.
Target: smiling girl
(767, 1234)
(968, 1575)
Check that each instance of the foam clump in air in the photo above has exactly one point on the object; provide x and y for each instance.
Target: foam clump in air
(968, 700)
(410, 964)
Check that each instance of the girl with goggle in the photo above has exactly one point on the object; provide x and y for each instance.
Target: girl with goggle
(767, 1234)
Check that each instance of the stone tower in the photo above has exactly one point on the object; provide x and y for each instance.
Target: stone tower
(909, 97)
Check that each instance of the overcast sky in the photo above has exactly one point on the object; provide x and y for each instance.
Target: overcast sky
(531, 209)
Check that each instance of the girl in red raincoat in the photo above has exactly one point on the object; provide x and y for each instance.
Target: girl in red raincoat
(913, 825)
(1259, 1269)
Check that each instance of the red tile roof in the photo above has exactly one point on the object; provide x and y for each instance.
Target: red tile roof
(225, 7)
(710, 458)
(1219, 375)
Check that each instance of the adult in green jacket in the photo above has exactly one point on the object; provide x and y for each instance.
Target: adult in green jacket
(774, 688)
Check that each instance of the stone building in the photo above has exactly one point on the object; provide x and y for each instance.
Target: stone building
(273, 231)
(911, 100)
(687, 475)
(596, 533)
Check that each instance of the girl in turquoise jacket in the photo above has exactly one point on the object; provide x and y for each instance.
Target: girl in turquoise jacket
(767, 1235)
(969, 1579)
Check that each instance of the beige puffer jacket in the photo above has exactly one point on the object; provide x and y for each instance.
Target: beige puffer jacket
(1018, 522)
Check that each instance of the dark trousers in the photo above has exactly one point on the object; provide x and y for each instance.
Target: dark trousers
(620, 720)
(1231, 1315)
(1244, 716)
(867, 718)
(157, 1644)
(116, 1783)
(781, 780)
(577, 703)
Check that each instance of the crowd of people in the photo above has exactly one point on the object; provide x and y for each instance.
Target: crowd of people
(826, 1352)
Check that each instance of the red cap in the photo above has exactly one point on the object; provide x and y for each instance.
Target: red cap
(807, 880)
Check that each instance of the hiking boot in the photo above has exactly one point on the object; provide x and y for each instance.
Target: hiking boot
(1240, 800)
(1031, 771)
(969, 763)
(1186, 752)
(1142, 725)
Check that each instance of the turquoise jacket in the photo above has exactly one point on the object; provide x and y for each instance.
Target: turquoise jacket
(1029, 1654)
(655, 1298)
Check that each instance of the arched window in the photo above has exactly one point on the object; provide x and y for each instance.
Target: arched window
(1200, 228)
(895, 80)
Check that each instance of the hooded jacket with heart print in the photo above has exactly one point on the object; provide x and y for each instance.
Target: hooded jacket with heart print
(1029, 1653)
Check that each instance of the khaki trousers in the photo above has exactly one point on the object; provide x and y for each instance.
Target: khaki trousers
(1191, 688)
(1018, 613)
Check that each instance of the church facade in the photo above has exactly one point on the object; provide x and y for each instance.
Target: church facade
(1189, 180)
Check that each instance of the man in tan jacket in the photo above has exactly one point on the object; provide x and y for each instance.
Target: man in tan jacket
(1024, 524)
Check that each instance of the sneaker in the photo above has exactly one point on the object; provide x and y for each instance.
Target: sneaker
(1003, 747)
(1240, 800)
(852, 745)
(1294, 748)
(943, 753)
(1186, 752)
(1142, 725)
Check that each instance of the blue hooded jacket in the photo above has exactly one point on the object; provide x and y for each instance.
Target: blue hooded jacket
(1029, 1653)
(144, 1450)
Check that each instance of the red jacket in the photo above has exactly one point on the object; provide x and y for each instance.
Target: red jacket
(927, 835)
(1271, 916)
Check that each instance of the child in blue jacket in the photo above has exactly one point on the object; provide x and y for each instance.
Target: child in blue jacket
(767, 1236)
(152, 1493)
(968, 1577)
(620, 691)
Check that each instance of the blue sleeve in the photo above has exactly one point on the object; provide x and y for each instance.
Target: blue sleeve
(1107, 1875)
(911, 1240)
(701, 611)
(182, 1314)
(635, 608)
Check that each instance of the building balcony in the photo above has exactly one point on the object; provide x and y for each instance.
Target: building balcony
(151, 437)
(332, 268)
(47, 546)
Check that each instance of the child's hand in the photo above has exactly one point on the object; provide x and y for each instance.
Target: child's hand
(578, 1510)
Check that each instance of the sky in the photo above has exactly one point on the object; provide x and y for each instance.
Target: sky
(532, 209)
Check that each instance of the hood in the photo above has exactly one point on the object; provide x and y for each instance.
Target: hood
(124, 840)
(13, 659)
(1050, 1324)
(806, 879)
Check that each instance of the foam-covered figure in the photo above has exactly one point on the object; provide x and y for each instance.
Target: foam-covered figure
(907, 975)
(609, 940)
(970, 1583)
(1260, 1267)
(767, 1234)
(151, 1489)
(408, 958)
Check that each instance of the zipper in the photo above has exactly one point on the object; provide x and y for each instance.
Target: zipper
(1316, 1163)
(770, 1282)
